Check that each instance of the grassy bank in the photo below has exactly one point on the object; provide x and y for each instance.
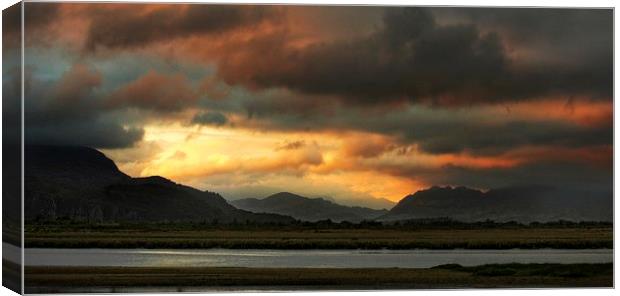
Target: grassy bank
(55, 279)
(503, 238)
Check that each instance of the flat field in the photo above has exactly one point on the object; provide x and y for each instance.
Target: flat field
(476, 238)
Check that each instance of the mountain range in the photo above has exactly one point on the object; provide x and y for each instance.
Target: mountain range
(81, 183)
(520, 203)
(307, 209)
(366, 202)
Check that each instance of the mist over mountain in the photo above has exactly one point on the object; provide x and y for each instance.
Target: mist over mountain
(520, 203)
(307, 209)
(81, 183)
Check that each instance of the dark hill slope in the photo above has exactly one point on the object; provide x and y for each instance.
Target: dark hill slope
(307, 209)
(83, 184)
(522, 204)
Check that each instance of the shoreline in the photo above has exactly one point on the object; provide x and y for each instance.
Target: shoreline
(143, 258)
(414, 247)
(451, 276)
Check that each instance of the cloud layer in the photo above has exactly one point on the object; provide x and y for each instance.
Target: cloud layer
(351, 102)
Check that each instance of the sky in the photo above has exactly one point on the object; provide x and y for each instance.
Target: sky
(350, 103)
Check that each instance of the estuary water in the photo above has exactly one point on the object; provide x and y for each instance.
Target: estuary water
(305, 258)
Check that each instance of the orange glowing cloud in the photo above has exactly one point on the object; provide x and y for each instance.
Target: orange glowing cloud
(335, 101)
(596, 156)
(155, 91)
(581, 111)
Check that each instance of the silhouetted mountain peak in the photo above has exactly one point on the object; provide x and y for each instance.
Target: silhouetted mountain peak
(305, 208)
(284, 195)
(155, 180)
(75, 160)
(82, 183)
(518, 203)
(437, 195)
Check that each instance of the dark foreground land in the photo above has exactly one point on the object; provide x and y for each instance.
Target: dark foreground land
(326, 237)
(110, 279)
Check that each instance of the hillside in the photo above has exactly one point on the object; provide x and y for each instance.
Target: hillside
(81, 183)
(367, 202)
(521, 204)
(307, 209)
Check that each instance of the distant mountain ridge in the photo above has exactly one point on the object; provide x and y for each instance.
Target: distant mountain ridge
(307, 209)
(81, 183)
(520, 203)
(369, 202)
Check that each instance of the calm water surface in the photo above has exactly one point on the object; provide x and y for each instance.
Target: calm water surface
(306, 258)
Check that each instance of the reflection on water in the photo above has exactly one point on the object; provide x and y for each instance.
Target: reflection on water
(306, 258)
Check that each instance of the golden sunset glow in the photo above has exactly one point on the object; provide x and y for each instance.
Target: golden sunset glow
(349, 103)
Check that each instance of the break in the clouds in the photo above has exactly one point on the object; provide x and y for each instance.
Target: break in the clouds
(344, 102)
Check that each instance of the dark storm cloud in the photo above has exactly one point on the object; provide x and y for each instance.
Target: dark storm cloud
(37, 18)
(69, 99)
(554, 173)
(69, 112)
(11, 24)
(129, 26)
(417, 55)
(163, 93)
(481, 139)
(443, 56)
(76, 85)
(210, 118)
(414, 58)
(562, 29)
(576, 44)
(39, 15)
(98, 134)
(436, 130)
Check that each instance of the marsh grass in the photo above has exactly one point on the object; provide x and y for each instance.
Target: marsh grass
(534, 269)
(494, 238)
(446, 276)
